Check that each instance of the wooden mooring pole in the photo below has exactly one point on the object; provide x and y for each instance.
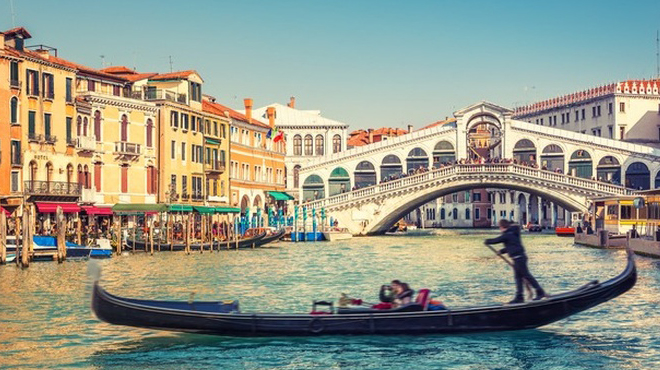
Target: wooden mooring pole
(187, 235)
(118, 235)
(3, 238)
(61, 235)
(151, 235)
(26, 238)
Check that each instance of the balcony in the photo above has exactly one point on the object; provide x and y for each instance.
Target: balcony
(160, 94)
(86, 143)
(35, 138)
(50, 139)
(198, 197)
(15, 84)
(215, 167)
(127, 149)
(51, 188)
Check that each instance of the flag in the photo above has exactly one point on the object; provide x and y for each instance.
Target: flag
(269, 134)
(279, 137)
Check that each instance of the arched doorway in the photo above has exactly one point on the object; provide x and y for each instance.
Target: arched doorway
(365, 174)
(609, 170)
(443, 153)
(552, 158)
(417, 158)
(484, 136)
(638, 176)
(339, 182)
(524, 151)
(580, 164)
(245, 203)
(313, 188)
(390, 167)
(296, 176)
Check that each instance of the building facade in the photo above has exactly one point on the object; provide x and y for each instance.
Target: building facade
(308, 136)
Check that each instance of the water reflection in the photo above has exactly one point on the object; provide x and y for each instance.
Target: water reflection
(46, 320)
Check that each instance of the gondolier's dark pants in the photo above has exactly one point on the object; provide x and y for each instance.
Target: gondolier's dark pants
(521, 271)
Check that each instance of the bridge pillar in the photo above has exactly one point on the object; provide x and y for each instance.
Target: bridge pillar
(553, 210)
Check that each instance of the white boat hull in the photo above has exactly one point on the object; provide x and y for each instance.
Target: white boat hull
(337, 235)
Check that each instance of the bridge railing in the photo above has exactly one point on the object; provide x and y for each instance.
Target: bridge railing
(458, 169)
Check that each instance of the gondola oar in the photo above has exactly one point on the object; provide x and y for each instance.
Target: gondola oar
(528, 286)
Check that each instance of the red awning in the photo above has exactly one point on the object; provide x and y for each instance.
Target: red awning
(5, 211)
(44, 207)
(97, 211)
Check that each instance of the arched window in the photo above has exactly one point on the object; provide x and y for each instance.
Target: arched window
(308, 145)
(98, 170)
(336, 144)
(87, 179)
(339, 182)
(609, 170)
(390, 168)
(454, 213)
(97, 125)
(580, 164)
(552, 158)
(319, 144)
(417, 158)
(365, 174)
(69, 173)
(297, 145)
(296, 176)
(150, 129)
(638, 176)
(524, 151)
(49, 172)
(443, 153)
(79, 126)
(85, 126)
(467, 213)
(14, 110)
(313, 188)
(81, 176)
(124, 128)
(442, 213)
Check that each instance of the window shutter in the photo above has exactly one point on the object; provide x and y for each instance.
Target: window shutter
(97, 176)
(124, 179)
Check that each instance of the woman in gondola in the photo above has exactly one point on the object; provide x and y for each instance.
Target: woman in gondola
(397, 293)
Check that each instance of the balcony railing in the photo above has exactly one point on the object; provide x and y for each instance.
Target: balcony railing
(216, 166)
(198, 196)
(160, 94)
(16, 84)
(126, 148)
(86, 143)
(50, 139)
(35, 137)
(51, 188)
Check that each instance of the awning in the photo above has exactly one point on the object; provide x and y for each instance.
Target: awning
(138, 208)
(44, 207)
(280, 195)
(227, 210)
(97, 211)
(180, 208)
(204, 210)
(212, 142)
(5, 212)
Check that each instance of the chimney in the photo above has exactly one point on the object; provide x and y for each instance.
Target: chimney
(270, 112)
(371, 136)
(292, 102)
(410, 129)
(248, 108)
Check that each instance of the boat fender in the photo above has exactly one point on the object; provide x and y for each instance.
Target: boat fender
(316, 325)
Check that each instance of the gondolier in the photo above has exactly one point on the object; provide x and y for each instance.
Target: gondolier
(514, 248)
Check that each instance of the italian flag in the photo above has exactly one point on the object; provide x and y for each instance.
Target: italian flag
(278, 135)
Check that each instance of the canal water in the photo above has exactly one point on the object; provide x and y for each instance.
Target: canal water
(46, 321)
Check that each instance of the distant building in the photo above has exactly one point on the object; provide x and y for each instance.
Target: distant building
(307, 135)
(370, 136)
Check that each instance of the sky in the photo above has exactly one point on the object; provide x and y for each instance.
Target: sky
(365, 63)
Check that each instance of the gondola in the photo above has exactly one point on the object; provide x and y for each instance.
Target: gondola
(221, 318)
(242, 243)
(271, 238)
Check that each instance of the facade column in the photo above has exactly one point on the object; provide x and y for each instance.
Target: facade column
(540, 209)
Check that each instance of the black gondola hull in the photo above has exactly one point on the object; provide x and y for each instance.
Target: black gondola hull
(203, 317)
(242, 244)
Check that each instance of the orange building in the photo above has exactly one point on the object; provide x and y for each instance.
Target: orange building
(370, 136)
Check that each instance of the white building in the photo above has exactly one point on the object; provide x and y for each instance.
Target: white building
(625, 110)
(308, 136)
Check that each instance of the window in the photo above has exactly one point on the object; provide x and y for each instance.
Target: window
(69, 123)
(598, 111)
(174, 119)
(577, 116)
(183, 151)
(297, 145)
(48, 82)
(173, 184)
(14, 181)
(193, 123)
(477, 214)
(622, 133)
(16, 152)
(442, 213)
(91, 85)
(489, 213)
(215, 128)
(173, 154)
(622, 107)
(116, 90)
(97, 176)
(97, 125)
(150, 129)
(454, 198)
(184, 121)
(455, 214)
(583, 114)
(32, 124)
(124, 128)
(14, 110)
(476, 197)
(610, 129)
(467, 213)
(13, 74)
(196, 91)
(319, 144)
(32, 82)
(308, 145)
(336, 144)
(124, 179)
(593, 111)
(184, 184)
(609, 108)
(47, 117)
(152, 184)
(222, 131)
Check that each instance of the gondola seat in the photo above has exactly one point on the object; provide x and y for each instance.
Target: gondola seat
(423, 298)
(411, 307)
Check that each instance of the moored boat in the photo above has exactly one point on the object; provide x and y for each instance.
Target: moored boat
(565, 231)
(220, 318)
(337, 234)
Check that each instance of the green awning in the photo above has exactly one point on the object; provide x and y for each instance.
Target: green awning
(212, 142)
(227, 210)
(280, 195)
(204, 210)
(180, 208)
(138, 208)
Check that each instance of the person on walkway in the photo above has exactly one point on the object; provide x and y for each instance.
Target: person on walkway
(513, 247)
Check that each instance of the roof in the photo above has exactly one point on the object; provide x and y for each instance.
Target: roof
(18, 31)
(441, 123)
(118, 70)
(138, 76)
(287, 116)
(361, 137)
(180, 75)
(219, 109)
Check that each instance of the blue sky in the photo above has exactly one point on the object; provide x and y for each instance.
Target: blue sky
(367, 63)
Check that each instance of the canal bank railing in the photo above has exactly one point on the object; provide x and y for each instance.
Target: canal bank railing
(523, 173)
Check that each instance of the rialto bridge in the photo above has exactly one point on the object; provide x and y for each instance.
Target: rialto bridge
(369, 188)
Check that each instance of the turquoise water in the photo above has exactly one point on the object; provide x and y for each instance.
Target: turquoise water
(45, 319)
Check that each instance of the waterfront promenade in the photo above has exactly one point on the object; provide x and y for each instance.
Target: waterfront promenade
(51, 323)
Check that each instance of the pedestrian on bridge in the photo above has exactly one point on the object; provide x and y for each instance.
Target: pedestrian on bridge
(513, 247)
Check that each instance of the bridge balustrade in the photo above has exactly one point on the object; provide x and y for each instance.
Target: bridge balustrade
(490, 168)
